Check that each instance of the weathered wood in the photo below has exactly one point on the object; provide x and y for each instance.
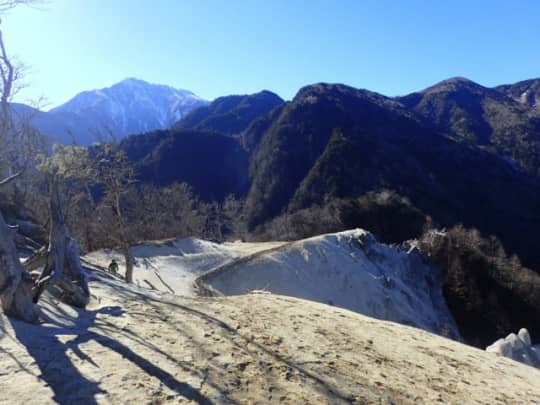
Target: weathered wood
(37, 260)
(63, 274)
(9, 179)
(117, 212)
(15, 283)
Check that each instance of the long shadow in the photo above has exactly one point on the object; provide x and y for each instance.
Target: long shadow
(237, 339)
(67, 383)
(185, 366)
(56, 368)
(54, 376)
(233, 333)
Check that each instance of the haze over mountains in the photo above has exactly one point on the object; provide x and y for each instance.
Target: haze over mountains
(128, 107)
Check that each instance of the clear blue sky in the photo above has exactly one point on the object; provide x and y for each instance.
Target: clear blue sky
(220, 47)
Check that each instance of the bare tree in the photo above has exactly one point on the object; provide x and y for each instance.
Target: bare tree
(116, 175)
(62, 273)
(77, 173)
(164, 212)
(15, 283)
(18, 140)
(6, 5)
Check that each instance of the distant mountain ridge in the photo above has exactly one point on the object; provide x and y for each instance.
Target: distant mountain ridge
(526, 91)
(460, 152)
(231, 115)
(504, 119)
(131, 106)
(334, 141)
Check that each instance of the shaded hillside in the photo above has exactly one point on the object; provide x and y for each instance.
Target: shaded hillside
(434, 148)
(214, 165)
(253, 134)
(295, 140)
(389, 216)
(489, 294)
(526, 92)
(336, 141)
(502, 118)
(231, 114)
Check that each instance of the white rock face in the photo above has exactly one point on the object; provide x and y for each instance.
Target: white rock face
(528, 98)
(517, 347)
(349, 270)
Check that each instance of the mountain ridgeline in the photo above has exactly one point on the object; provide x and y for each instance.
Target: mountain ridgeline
(505, 119)
(232, 114)
(131, 106)
(204, 149)
(457, 151)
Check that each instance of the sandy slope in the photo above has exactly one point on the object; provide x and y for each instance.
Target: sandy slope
(132, 346)
(173, 265)
(348, 269)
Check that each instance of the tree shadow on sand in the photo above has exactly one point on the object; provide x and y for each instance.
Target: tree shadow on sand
(59, 372)
(155, 309)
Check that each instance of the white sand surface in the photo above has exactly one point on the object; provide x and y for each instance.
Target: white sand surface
(134, 346)
(347, 269)
(173, 265)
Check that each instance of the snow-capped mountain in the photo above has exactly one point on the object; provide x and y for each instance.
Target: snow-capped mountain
(129, 107)
(133, 106)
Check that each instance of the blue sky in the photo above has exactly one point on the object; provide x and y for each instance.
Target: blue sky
(216, 48)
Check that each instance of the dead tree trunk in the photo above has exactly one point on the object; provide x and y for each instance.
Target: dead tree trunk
(124, 239)
(63, 274)
(15, 283)
(129, 262)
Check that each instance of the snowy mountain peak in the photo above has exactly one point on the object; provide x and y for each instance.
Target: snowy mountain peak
(134, 84)
(128, 107)
(132, 81)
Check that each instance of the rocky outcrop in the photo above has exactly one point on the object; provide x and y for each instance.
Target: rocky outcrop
(517, 347)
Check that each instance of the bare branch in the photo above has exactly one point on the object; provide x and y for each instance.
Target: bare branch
(16, 297)
(9, 179)
(7, 73)
(7, 5)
